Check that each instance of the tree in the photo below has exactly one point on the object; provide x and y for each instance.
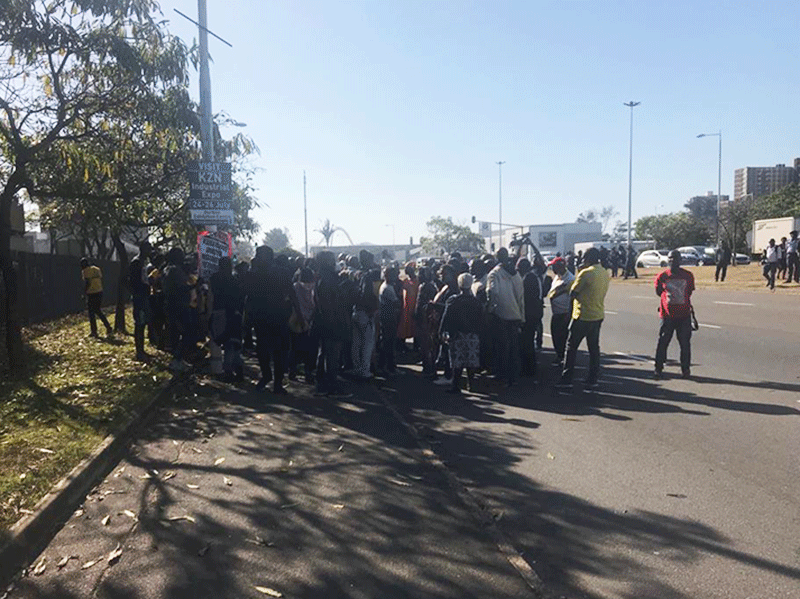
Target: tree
(785, 202)
(606, 214)
(672, 230)
(445, 235)
(588, 216)
(62, 66)
(277, 239)
(327, 231)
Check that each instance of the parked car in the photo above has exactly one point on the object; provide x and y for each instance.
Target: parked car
(691, 257)
(742, 259)
(707, 254)
(653, 258)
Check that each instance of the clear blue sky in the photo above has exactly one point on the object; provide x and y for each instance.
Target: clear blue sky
(399, 110)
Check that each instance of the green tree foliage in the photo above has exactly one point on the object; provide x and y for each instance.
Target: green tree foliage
(785, 202)
(672, 230)
(277, 239)
(445, 235)
(703, 209)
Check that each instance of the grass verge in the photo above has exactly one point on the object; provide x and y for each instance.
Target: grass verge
(77, 391)
(743, 277)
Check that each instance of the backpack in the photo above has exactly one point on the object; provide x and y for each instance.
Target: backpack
(366, 300)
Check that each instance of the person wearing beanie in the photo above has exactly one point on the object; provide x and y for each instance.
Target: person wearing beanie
(461, 323)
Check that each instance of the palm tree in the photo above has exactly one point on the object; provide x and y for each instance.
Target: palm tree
(327, 231)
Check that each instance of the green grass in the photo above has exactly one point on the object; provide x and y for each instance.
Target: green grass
(77, 391)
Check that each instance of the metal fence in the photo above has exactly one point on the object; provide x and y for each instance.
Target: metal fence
(50, 286)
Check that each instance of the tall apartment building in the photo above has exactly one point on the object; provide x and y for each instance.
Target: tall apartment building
(760, 181)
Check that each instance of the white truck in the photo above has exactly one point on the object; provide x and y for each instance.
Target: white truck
(772, 228)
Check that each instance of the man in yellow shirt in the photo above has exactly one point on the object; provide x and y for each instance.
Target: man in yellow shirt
(588, 310)
(93, 280)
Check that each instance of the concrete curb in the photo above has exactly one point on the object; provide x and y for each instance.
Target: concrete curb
(31, 534)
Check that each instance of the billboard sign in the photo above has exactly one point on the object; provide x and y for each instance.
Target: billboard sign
(210, 248)
(210, 193)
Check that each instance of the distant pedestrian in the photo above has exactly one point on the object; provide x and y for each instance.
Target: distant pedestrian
(675, 286)
(792, 262)
(588, 310)
(630, 265)
(770, 259)
(532, 289)
(723, 259)
(391, 307)
(140, 291)
(93, 288)
(781, 272)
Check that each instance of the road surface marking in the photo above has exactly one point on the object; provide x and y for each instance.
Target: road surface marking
(632, 356)
(734, 304)
(610, 312)
(710, 326)
(645, 297)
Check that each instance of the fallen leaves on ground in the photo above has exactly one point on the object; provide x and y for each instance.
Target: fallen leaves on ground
(186, 517)
(219, 461)
(269, 592)
(115, 554)
(39, 568)
(106, 520)
(91, 563)
(550, 456)
(227, 481)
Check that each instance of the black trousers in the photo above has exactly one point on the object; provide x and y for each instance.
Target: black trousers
(272, 344)
(559, 330)
(721, 272)
(94, 303)
(528, 347)
(793, 265)
(578, 331)
(683, 328)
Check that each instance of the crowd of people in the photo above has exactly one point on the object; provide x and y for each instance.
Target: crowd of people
(326, 316)
(780, 260)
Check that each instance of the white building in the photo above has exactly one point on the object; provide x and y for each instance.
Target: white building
(552, 239)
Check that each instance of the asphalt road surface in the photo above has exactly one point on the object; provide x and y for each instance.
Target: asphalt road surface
(669, 489)
(648, 489)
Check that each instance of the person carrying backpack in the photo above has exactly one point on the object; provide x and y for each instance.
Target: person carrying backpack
(675, 286)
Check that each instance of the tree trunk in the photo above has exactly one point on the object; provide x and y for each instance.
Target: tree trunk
(10, 284)
(122, 284)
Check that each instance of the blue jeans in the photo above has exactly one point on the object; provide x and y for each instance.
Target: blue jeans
(363, 342)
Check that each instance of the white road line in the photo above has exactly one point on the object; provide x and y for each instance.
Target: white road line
(734, 304)
(645, 297)
(610, 312)
(710, 326)
(632, 357)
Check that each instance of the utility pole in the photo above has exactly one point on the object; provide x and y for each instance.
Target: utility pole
(206, 120)
(630, 105)
(305, 212)
(500, 185)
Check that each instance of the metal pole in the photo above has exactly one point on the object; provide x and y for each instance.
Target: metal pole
(631, 105)
(500, 185)
(305, 212)
(206, 122)
(719, 184)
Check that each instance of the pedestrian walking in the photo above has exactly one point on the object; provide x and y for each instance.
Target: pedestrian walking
(770, 259)
(723, 259)
(675, 286)
(588, 310)
(93, 289)
(792, 262)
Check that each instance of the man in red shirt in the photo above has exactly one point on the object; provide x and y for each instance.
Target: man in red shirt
(675, 286)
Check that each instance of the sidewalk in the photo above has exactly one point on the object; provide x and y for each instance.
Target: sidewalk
(238, 494)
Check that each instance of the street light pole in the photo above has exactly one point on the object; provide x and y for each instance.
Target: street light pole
(500, 191)
(630, 105)
(305, 212)
(719, 177)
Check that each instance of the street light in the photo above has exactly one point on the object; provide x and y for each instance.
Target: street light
(719, 175)
(630, 105)
(500, 186)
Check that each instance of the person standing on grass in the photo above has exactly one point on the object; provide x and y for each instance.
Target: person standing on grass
(140, 295)
(723, 259)
(461, 323)
(771, 257)
(792, 262)
(560, 307)
(588, 310)
(93, 288)
(675, 286)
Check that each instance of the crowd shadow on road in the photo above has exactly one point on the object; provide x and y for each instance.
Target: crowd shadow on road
(564, 537)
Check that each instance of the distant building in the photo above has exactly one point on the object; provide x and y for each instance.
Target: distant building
(553, 239)
(723, 200)
(759, 181)
(382, 253)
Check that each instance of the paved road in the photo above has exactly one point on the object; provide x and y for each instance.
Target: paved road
(648, 489)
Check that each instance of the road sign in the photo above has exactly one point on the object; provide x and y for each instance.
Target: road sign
(210, 248)
(485, 229)
(211, 217)
(210, 192)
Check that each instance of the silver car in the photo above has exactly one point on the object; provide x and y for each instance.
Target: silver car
(653, 259)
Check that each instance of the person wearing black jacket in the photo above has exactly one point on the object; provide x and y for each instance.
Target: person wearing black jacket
(228, 297)
(331, 323)
(461, 323)
(534, 310)
(140, 295)
(270, 297)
